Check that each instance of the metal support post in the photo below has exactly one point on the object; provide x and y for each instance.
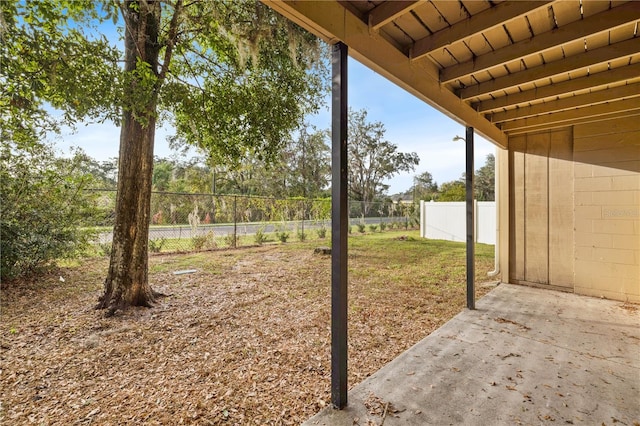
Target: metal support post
(471, 240)
(339, 224)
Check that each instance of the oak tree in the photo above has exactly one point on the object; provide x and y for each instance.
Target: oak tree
(372, 159)
(233, 78)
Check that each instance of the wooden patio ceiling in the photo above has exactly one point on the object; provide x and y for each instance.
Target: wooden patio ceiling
(503, 67)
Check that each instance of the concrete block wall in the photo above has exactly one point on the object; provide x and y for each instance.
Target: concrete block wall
(574, 209)
(607, 208)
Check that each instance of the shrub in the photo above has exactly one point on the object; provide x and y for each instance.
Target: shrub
(202, 242)
(383, 226)
(302, 236)
(260, 237)
(322, 232)
(281, 233)
(104, 249)
(282, 236)
(155, 245)
(231, 240)
(373, 228)
(44, 208)
(361, 227)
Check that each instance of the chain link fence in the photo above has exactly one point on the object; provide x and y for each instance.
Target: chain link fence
(193, 222)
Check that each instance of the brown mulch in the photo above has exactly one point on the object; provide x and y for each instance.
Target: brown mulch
(244, 340)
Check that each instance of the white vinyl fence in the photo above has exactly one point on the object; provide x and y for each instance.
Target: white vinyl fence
(447, 221)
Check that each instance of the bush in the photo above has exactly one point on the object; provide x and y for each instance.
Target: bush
(260, 237)
(361, 228)
(155, 245)
(201, 242)
(322, 232)
(231, 240)
(383, 226)
(373, 228)
(44, 208)
(302, 236)
(282, 236)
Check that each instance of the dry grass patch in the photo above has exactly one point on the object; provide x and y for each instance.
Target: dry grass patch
(244, 340)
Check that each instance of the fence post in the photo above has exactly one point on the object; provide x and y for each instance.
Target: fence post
(235, 220)
(304, 208)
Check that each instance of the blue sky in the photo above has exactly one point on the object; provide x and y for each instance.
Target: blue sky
(410, 123)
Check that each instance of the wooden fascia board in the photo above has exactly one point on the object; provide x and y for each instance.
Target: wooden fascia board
(332, 22)
(583, 60)
(595, 24)
(388, 11)
(601, 96)
(476, 24)
(590, 112)
(591, 81)
(568, 123)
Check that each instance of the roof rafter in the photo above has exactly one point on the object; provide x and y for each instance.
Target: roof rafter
(483, 21)
(576, 121)
(593, 98)
(583, 60)
(597, 80)
(388, 11)
(595, 24)
(590, 112)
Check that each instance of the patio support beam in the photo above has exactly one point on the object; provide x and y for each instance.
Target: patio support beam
(602, 55)
(339, 225)
(589, 112)
(493, 17)
(595, 81)
(388, 11)
(578, 30)
(588, 99)
(471, 239)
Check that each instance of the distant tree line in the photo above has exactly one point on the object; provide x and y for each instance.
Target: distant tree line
(426, 188)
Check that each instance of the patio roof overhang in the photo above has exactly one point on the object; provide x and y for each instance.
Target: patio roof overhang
(502, 67)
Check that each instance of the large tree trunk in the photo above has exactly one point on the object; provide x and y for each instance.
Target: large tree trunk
(127, 280)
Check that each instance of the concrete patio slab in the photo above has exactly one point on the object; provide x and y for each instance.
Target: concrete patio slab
(525, 356)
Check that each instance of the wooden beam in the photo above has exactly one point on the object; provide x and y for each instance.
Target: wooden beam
(331, 21)
(587, 99)
(563, 124)
(476, 24)
(591, 81)
(577, 30)
(388, 11)
(590, 112)
(583, 60)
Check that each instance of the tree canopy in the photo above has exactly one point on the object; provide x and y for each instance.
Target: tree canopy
(372, 159)
(233, 77)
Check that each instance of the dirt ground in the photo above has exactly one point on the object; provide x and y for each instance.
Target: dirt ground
(244, 340)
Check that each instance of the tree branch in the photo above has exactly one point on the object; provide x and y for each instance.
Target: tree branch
(171, 40)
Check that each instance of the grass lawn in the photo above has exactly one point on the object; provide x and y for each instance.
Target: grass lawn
(244, 340)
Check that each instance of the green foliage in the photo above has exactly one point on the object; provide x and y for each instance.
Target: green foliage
(484, 183)
(452, 191)
(302, 236)
(204, 241)
(361, 228)
(424, 187)
(383, 226)
(281, 233)
(373, 228)
(104, 249)
(155, 245)
(231, 240)
(260, 237)
(44, 208)
(322, 232)
(372, 159)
